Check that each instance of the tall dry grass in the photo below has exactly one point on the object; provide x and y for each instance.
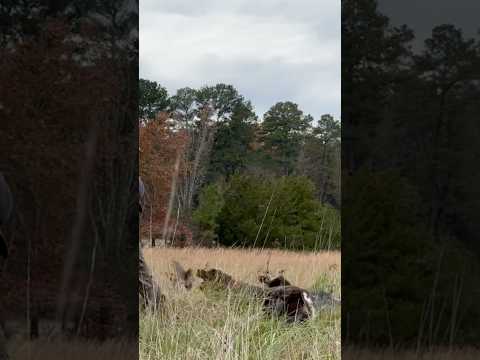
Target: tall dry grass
(301, 268)
(226, 325)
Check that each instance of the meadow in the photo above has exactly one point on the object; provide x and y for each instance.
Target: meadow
(201, 325)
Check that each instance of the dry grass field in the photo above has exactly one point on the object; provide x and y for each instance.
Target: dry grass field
(223, 326)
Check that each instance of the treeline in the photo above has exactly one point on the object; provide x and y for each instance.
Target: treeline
(216, 174)
(409, 173)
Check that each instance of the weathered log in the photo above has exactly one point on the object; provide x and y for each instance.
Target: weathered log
(149, 290)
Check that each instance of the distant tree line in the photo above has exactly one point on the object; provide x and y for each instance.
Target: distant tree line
(227, 149)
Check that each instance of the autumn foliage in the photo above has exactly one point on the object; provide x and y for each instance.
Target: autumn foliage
(162, 164)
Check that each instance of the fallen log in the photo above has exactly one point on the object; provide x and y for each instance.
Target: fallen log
(149, 290)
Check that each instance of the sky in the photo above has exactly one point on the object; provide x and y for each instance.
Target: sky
(423, 16)
(270, 50)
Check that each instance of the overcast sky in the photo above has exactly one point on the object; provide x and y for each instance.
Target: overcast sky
(270, 50)
(423, 16)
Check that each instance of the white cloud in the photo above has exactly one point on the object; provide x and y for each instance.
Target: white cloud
(268, 51)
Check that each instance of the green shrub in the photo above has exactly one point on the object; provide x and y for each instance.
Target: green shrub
(211, 202)
(266, 212)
